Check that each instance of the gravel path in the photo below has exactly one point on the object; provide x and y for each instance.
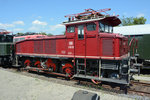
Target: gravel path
(14, 86)
(142, 77)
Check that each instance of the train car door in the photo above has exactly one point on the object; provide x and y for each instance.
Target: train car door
(80, 41)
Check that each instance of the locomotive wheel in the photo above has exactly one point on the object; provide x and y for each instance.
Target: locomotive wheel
(68, 69)
(27, 63)
(95, 81)
(38, 64)
(50, 64)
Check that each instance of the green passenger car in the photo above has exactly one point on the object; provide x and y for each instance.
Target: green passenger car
(143, 48)
(6, 48)
(142, 34)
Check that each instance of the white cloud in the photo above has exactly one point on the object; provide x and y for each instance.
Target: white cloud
(51, 19)
(140, 15)
(33, 28)
(6, 25)
(18, 23)
(37, 22)
(54, 27)
(18, 29)
(39, 17)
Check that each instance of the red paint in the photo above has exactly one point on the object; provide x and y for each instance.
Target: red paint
(38, 64)
(94, 45)
(27, 62)
(67, 65)
(68, 69)
(72, 47)
(49, 64)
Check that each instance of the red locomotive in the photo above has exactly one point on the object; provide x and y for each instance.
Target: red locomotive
(89, 49)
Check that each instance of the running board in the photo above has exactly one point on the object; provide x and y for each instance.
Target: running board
(43, 70)
(102, 79)
(35, 69)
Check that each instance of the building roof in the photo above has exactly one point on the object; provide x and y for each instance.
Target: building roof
(133, 29)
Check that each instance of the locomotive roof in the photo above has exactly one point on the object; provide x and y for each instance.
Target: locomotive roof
(3, 31)
(91, 15)
(111, 20)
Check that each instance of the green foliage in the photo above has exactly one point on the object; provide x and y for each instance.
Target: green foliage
(140, 20)
(64, 32)
(19, 34)
(126, 21)
(31, 33)
(50, 34)
(42, 33)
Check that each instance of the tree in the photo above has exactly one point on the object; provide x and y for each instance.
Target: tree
(19, 34)
(42, 33)
(126, 21)
(140, 20)
(50, 34)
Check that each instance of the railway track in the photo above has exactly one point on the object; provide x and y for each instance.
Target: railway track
(114, 88)
(136, 87)
(140, 88)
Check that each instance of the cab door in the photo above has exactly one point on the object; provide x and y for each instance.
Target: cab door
(80, 41)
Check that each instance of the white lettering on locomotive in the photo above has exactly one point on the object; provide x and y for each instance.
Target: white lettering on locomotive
(70, 42)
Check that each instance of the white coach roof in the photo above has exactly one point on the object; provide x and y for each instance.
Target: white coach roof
(133, 29)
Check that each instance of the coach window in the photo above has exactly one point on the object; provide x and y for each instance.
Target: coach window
(3, 38)
(70, 29)
(9, 38)
(91, 27)
(80, 32)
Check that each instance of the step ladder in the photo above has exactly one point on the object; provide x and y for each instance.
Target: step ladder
(124, 70)
(81, 67)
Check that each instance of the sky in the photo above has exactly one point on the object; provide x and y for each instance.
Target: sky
(48, 15)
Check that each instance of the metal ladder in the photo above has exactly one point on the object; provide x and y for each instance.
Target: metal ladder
(81, 67)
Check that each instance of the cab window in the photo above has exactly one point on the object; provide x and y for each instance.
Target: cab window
(105, 28)
(80, 32)
(111, 29)
(91, 27)
(70, 29)
(6, 38)
(9, 38)
(102, 27)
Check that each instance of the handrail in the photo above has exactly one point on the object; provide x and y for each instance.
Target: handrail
(133, 45)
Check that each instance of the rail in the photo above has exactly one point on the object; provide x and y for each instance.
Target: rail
(133, 45)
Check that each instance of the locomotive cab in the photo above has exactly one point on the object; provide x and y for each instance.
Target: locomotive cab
(100, 52)
(95, 36)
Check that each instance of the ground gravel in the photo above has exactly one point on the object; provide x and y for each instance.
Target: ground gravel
(14, 86)
(142, 77)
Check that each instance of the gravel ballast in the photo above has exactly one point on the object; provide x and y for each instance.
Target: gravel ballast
(14, 86)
